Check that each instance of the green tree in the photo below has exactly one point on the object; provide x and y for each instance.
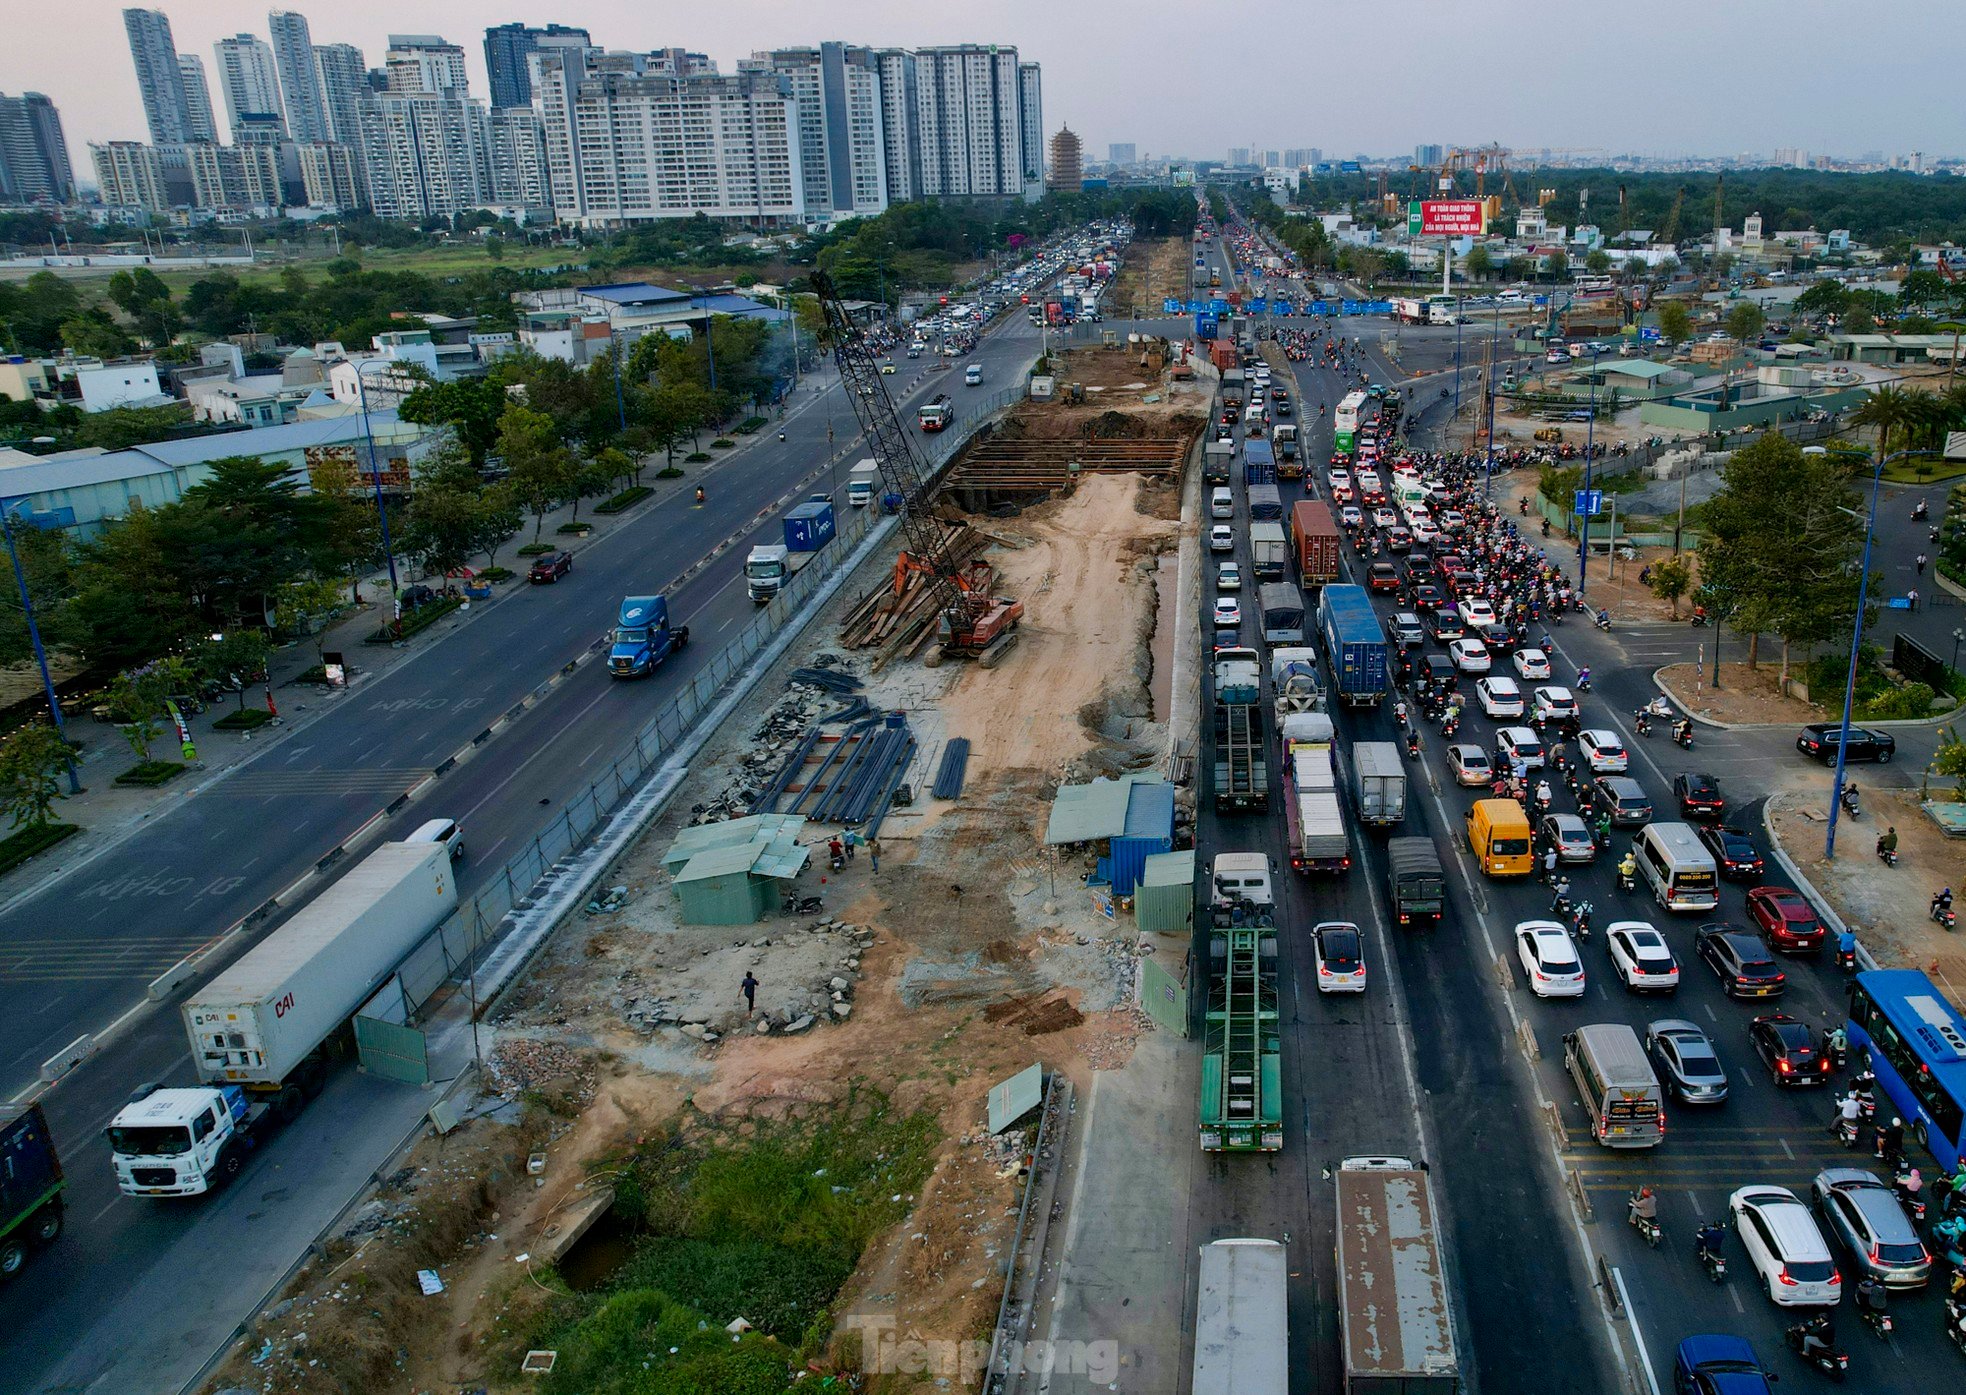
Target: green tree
(1921, 288)
(94, 334)
(32, 759)
(1480, 263)
(1744, 322)
(46, 564)
(137, 700)
(1557, 263)
(1823, 299)
(1675, 322)
(499, 519)
(132, 601)
(346, 535)
(1892, 410)
(141, 294)
(541, 471)
(471, 407)
(239, 654)
(308, 606)
(1597, 261)
(1672, 578)
(33, 312)
(441, 525)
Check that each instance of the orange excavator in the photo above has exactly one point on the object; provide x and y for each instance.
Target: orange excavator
(971, 621)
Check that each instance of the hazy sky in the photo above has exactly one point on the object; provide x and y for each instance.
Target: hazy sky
(1177, 76)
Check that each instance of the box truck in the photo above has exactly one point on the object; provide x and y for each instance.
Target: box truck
(31, 1184)
(771, 566)
(1395, 1327)
(863, 482)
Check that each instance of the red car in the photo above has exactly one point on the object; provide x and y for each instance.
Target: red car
(1787, 919)
(1382, 576)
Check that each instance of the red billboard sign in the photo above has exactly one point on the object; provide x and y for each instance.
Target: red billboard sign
(1450, 218)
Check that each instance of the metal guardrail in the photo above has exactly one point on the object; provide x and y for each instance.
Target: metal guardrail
(476, 924)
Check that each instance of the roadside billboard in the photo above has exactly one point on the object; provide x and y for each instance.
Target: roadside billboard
(1445, 218)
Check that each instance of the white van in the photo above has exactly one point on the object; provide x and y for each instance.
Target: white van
(1221, 503)
(1677, 866)
(973, 374)
(1620, 1092)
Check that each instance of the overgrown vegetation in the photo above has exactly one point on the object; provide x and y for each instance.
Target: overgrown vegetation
(763, 1220)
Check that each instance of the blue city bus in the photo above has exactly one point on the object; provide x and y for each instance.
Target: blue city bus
(1915, 1041)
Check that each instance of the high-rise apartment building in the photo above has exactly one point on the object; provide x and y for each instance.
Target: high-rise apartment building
(901, 135)
(971, 103)
(506, 50)
(241, 177)
(1429, 156)
(1067, 162)
(1030, 120)
(301, 94)
(131, 174)
(423, 153)
(248, 78)
(330, 177)
(34, 164)
(516, 152)
(344, 80)
(1238, 154)
(632, 137)
(1304, 155)
(158, 79)
(424, 63)
(1121, 153)
(841, 152)
(200, 121)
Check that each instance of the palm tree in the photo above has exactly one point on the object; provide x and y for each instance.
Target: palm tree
(1889, 409)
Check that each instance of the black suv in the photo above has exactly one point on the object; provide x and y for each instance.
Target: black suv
(1819, 739)
(1733, 851)
(1698, 795)
(1788, 1048)
(1745, 966)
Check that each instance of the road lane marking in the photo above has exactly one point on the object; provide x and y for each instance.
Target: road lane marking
(568, 724)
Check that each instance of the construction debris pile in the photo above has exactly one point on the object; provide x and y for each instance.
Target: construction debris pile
(845, 767)
(901, 617)
(807, 974)
(519, 1064)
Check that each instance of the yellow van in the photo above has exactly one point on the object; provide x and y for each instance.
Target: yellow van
(1498, 835)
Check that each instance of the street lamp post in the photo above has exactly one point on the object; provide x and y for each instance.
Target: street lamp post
(375, 476)
(1584, 527)
(7, 507)
(1856, 641)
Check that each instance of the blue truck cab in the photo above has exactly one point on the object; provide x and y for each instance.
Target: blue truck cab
(643, 637)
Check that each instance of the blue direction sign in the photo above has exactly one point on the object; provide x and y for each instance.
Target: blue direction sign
(1258, 306)
(1170, 306)
(1590, 502)
(1217, 307)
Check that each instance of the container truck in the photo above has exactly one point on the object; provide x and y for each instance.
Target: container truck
(1238, 675)
(31, 1184)
(1265, 502)
(1240, 891)
(1378, 783)
(1314, 814)
(1314, 538)
(1355, 644)
(1269, 553)
(1415, 884)
(863, 482)
(263, 1031)
(643, 637)
(1242, 1344)
(936, 413)
(1294, 681)
(771, 566)
(1259, 463)
(1394, 1321)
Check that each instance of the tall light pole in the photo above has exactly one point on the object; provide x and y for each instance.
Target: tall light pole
(1584, 526)
(1856, 641)
(7, 507)
(375, 475)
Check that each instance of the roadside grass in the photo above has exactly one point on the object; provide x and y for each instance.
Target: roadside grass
(758, 1219)
(627, 498)
(243, 720)
(1924, 469)
(148, 774)
(417, 621)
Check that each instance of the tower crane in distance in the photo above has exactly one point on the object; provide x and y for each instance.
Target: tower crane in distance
(972, 622)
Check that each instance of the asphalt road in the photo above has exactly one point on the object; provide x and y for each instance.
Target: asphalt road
(108, 928)
(1524, 1268)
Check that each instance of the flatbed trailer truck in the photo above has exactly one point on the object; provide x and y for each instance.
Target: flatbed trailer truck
(1395, 1322)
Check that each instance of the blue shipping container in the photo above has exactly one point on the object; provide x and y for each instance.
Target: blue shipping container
(809, 527)
(1354, 643)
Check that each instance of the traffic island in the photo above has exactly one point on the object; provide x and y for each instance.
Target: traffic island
(247, 719)
(149, 774)
(417, 621)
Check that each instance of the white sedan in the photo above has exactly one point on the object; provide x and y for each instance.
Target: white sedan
(1340, 955)
(1383, 517)
(1603, 751)
(1555, 705)
(1532, 664)
(1350, 517)
(1469, 655)
(1478, 613)
(1340, 478)
(1500, 697)
(1221, 538)
(1549, 957)
(1228, 611)
(1639, 953)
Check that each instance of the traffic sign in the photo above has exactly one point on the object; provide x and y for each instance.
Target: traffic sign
(1170, 306)
(1589, 502)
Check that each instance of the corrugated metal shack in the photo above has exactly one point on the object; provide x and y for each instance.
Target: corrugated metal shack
(731, 873)
(1132, 816)
(1165, 899)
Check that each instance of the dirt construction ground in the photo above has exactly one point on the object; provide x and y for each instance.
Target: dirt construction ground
(1155, 269)
(968, 956)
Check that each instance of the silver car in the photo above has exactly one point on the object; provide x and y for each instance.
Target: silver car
(1864, 1216)
(1686, 1061)
(1571, 837)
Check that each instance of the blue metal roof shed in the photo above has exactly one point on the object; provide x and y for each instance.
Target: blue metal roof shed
(1149, 829)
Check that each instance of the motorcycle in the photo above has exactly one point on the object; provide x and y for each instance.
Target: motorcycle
(1943, 914)
(1584, 681)
(1846, 960)
(1627, 883)
(1683, 736)
(1956, 1322)
(1602, 620)
(1845, 1131)
(1413, 745)
(1715, 1263)
(1580, 920)
(1877, 1320)
(1699, 619)
(1821, 1354)
(796, 904)
(1850, 802)
(1648, 1226)
(1642, 723)
(1887, 854)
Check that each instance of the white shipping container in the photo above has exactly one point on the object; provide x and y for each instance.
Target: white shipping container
(254, 1023)
(1242, 1342)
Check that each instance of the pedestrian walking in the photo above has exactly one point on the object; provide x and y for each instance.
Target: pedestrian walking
(1911, 598)
(750, 987)
(1920, 562)
(852, 840)
(874, 855)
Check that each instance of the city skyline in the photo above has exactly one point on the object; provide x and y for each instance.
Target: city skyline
(1441, 95)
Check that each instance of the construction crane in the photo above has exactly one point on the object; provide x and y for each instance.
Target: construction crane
(1672, 219)
(971, 621)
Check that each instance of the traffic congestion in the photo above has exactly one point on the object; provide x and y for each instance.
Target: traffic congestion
(1755, 1132)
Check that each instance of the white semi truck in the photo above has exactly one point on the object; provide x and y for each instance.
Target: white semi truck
(263, 1032)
